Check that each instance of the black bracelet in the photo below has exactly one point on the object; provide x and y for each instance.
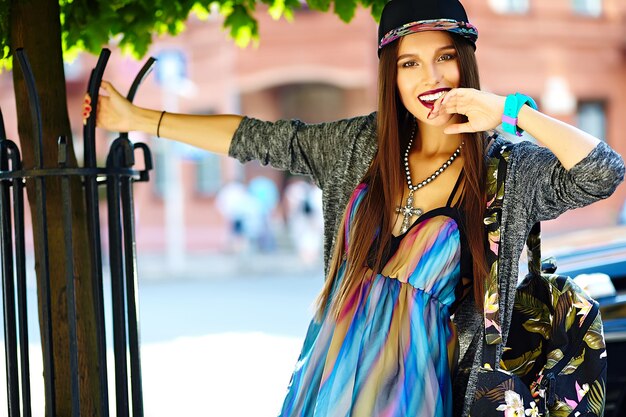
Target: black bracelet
(159, 125)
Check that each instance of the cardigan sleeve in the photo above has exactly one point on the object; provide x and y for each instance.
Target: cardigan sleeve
(547, 189)
(305, 149)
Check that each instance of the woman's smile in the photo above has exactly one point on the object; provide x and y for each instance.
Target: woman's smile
(429, 97)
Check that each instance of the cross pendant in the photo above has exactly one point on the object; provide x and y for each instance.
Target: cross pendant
(408, 211)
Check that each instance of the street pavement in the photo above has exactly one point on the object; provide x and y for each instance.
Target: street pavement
(216, 341)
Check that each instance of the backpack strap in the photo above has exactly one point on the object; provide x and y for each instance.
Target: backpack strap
(533, 250)
(496, 175)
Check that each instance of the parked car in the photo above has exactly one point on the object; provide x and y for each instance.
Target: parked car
(600, 251)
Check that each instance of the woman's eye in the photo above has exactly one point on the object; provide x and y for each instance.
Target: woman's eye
(409, 64)
(447, 57)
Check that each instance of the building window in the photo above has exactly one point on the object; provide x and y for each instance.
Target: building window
(208, 174)
(510, 6)
(591, 117)
(588, 7)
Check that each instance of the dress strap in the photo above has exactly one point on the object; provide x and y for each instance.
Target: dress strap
(455, 188)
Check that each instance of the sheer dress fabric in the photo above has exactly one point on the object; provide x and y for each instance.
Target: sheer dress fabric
(393, 348)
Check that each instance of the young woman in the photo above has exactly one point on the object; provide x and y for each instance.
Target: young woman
(399, 326)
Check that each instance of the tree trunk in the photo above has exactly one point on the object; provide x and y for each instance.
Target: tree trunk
(35, 26)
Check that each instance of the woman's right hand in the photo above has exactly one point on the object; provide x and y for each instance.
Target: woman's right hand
(114, 112)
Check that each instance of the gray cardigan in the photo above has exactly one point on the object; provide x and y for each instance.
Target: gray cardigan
(337, 154)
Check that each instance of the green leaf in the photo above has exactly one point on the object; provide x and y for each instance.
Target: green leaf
(553, 358)
(321, 5)
(492, 179)
(491, 219)
(521, 365)
(494, 239)
(282, 8)
(377, 9)
(492, 285)
(530, 305)
(596, 398)
(5, 30)
(290, 7)
(201, 11)
(594, 336)
(573, 364)
(132, 24)
(493, 338)
(345, 9)
(277, 9)
(564, 313)
(243, 27)
(496, 393)
(560, 409)
(537, 326)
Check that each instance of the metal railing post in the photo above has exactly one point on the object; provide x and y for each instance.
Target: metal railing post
(8, 288)
(10, 153)
(119, 176)
(93, 228)
(41, 235)
(70, 288)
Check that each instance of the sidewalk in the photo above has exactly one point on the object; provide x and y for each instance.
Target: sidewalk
(214, 265)
(225, 375)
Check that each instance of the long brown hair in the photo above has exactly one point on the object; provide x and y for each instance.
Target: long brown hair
(385, 180)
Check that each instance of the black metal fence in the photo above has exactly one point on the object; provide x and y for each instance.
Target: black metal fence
(118, 176)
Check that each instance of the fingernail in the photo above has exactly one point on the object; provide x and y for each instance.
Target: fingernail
(84, 121)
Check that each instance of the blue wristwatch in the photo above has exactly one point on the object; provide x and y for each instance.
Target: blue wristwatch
(512, 106)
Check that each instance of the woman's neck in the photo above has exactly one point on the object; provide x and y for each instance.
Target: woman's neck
(431, 141)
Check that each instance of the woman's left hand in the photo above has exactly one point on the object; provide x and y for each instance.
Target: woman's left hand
(483, 110)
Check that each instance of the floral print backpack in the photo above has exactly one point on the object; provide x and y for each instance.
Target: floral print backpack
(554, 363)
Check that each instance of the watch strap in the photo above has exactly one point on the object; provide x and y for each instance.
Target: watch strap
(512, 107)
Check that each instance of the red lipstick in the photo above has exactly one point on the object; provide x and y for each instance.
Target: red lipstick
(431, 104)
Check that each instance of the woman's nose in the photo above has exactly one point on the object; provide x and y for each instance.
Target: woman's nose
(432, 75)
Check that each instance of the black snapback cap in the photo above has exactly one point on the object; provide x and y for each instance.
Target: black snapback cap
(402, 17)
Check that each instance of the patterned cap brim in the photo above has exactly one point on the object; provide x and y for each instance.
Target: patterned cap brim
(465, 29)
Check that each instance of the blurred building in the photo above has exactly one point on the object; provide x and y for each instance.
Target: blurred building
(568, 54)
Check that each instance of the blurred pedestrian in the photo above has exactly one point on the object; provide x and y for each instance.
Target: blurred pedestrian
(406, 304)
(234, 203)
(305, 220)
(266, 194)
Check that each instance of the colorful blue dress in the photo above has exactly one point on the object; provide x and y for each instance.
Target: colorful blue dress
(393, 349)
